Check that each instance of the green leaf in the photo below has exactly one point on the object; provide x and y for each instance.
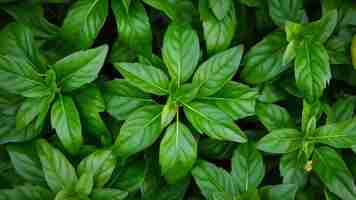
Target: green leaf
(186, 93)
(218, 34)
(277, 192)
(17, 40)
(337, 135)
(122, 98)
(236, 99)
(248, 168)
(131, 177)
(65, 119)
(140, 130)
(220, 8)
(215, 149)
(147, 78)
(273, 116)
(85, 184)
(176, 10)
(100, 165)
(108, 194)
(213, 122)
(80, 68)
(281, 141)
(213, 74)
(175, 191)
(120, 52)
(26, 162)
(178, 152)
(343, 109)
(26, 192)
(334, 173)
(168, 113)
(18, 76)
(133, 26)
(181, 52)
(338, 50)
(311, 111)
(250, 195)
(264, 61)
(291, 167)
(312, 69)
(214, 182)
(322, 29)
(283, 10)
(251, 3)
(58, 171)
(83, 23)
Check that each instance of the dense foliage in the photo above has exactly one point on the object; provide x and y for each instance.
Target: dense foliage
(177, 99)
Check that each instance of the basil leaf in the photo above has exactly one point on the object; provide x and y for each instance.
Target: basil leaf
(322, 29)
(218, 34)
(65, 120)
(213, 122)
(213, 74)
(236, 99)
(250, 195)
(26, 162)
(120, 52)
(312, 69)
(248, 168)
(18, 76)
(83, 23)
(215, 149)
(337, 135)
(220, 8)
(147, 78)
(343, 109)
(133, 26)
(140, 130)
(264, 61)
(108, 194)
(176, 10)
(58, 171)
(100, 164)
(334, 173)
(291, 167)
(283, 10)
(338, 50)
(85, 184)
(168, 113)
(276, 192)
(175, 191)
(80, 68)
(178, 152)
(122, 98)
(214, 182)
(181, 52)
(186, 93)
(281, 141)
(273, 116)
(26, 192)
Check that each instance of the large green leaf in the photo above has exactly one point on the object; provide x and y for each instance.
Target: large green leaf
(65, 119)
(281, 141)
(236, 99)
(147, 78)
(214, 182)
(273, 116)
(133, 26)
(264, 61)
(213, 122)
(312, 69)
(26, 192)
(218, 34)
(83, 23)
(26, 162)
(140, 130)
(337, 135)
(100, 164)
(58, 171)
(122, 98)
(213, 74)
(178, 152)
(181, 52)
(334, 173)
(248, 168)
(291, 167)
(80, 68)
(283, 10)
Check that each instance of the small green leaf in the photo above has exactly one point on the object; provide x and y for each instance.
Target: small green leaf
(213, 74)
(140, 130)
(168, 113)
(220, 8)
(65, 119)
(248, 168)
(186, 93)
(58, 171)
(213, 122)
(147, 78)
(281, 141)
(178, 152)
(85, 184)
(291, 167)
(80, 68)
(273, 116)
